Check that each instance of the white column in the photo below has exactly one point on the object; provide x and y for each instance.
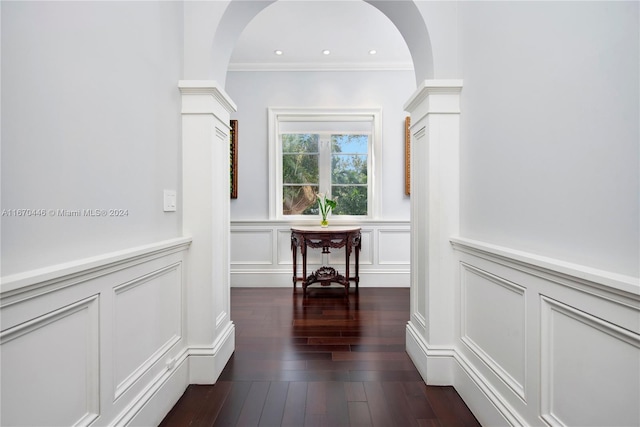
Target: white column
(206, 112)
(435, 122)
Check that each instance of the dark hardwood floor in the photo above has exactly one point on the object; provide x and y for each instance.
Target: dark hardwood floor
(323, 360)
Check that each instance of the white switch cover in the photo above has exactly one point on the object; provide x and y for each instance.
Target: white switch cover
(169, 200)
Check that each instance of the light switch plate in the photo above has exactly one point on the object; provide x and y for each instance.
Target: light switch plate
(169, 200)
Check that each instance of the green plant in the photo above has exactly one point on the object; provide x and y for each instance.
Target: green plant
(325, 205)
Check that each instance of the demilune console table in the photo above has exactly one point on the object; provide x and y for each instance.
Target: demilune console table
(325, 238)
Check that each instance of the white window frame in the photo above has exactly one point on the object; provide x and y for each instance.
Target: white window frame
(280, 115)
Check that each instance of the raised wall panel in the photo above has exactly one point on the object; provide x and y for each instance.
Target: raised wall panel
(285, 257)
(590, 369)
(493, 324)
(284, 247)
(50, 368)
(252, 247)
(147, 321)
(366, 252)
(394, 247)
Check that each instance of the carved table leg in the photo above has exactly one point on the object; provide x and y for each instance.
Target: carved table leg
(358, 245)
(303, 248)
(294, 252)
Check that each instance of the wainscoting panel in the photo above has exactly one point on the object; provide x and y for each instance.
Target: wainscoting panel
(542, 341)
(59, 353)
(598, 359)
(493, 324)
(394, 247)
(140, 341)
(93, 342)
(252, 247)
(336, 257)
(384, 257)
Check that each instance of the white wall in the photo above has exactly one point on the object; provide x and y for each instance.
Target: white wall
(90, 120)
(254, 92)
(549, 148)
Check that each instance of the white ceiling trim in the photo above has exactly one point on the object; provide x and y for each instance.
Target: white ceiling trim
(318, 66)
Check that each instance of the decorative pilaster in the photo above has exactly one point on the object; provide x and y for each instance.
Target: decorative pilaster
(435, 206)
(206, 110)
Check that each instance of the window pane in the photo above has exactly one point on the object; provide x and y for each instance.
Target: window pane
(299, 200)
(299, 143)
(300, 169)
(351, 200)
(349, 169)
(352, 144)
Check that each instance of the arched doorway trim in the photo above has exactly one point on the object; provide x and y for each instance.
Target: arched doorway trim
(404, 15)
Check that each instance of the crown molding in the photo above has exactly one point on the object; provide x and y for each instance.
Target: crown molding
(435, 96)
(204, 88)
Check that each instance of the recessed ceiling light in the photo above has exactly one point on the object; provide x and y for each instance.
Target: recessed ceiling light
(372, 52)
(326, 52)
(278, 52)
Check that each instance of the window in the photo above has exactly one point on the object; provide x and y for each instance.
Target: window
(329, 152)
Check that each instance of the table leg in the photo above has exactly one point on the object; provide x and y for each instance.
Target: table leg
(347, 252)
(357, 249)
(294, 252)
(303, 248)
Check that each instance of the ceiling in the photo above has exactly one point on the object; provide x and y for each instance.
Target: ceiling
(302, 29)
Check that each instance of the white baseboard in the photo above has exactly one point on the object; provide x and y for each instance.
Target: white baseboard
(434, 364)
(284, 279)
(206, 363)
(445, 366)
(484, 401)
(196, 365)
(151, 406)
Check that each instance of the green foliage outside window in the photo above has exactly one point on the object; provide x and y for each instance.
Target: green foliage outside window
(301, 165)
(300, 174)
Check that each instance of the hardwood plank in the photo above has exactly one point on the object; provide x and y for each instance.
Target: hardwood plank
(380, 414)
(274, 405)
(295, 406)
(316, 398)
(398, 404)
(233, 404)
(337, 405)
(213, 405)
(354, 391)
(253, 404)
(359, 415)
(194, 399)
(448, 407)
(420, 406)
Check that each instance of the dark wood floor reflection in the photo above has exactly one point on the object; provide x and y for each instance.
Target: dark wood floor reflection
(323, 360)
